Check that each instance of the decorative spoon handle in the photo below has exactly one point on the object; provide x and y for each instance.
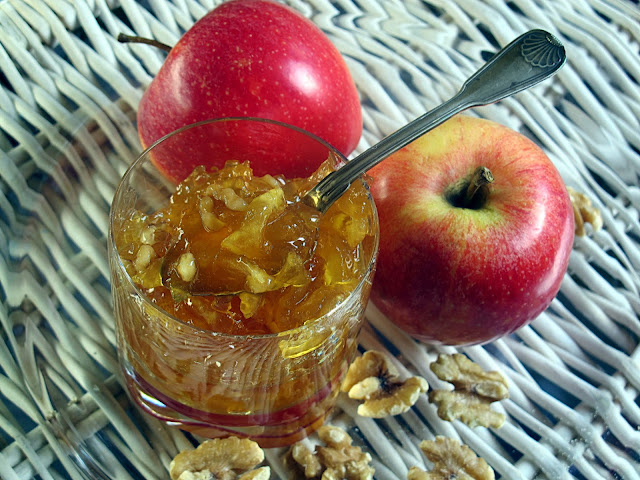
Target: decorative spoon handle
(529, 59)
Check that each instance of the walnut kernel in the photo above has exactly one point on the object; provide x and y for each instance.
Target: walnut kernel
(262, 473)
(210, 222)
(230, 198)
(416, 473)
(186, 267)
(373, 379)
(451, 459)
(229, 458)
(145, 254)
(584, 212)
(147, 236)
(474, 391)
(306, 459)
(338, 459)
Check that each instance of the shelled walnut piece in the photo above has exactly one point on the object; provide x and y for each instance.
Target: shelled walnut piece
(451, 459)
(584, 212)
(474, 391)
(374, 379)
(338, 459)
(229, 458)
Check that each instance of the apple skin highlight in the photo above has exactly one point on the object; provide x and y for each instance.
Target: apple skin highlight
(462, 276)
(252, 58)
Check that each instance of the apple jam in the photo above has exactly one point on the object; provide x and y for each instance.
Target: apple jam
(240, 254)
(237, 307)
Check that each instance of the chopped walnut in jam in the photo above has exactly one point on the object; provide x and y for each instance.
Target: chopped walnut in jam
(229, 458)
(451, 460)
(374, 379)
(474, 391)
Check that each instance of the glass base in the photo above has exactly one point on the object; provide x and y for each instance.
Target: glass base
(269, 429)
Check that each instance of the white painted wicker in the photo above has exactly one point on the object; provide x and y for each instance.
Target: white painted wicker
(68, 95)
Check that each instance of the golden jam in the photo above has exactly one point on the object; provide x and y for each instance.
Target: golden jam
(240, 254)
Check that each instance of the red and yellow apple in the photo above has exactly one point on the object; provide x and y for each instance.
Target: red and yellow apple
(463, 261)
(252, 58)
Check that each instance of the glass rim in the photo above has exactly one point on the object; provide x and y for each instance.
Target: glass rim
(235, 119)
(114, 254)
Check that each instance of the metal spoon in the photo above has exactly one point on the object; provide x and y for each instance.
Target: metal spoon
(529, 59)
(526, 61)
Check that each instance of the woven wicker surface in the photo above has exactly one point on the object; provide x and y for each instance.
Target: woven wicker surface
(68, 95)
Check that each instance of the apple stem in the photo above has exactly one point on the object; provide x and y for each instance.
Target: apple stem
(477, 189)
(471, 191)
(124, 38)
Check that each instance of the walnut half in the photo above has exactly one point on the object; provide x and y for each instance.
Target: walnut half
(338, 459)
(220, 459)
(451, 459)
(474, 391)
(584, 212)
(373, 379)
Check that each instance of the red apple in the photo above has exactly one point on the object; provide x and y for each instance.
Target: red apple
(253, 58)
(458, 273)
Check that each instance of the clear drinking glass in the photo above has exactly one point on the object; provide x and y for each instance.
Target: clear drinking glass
(273, 388)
